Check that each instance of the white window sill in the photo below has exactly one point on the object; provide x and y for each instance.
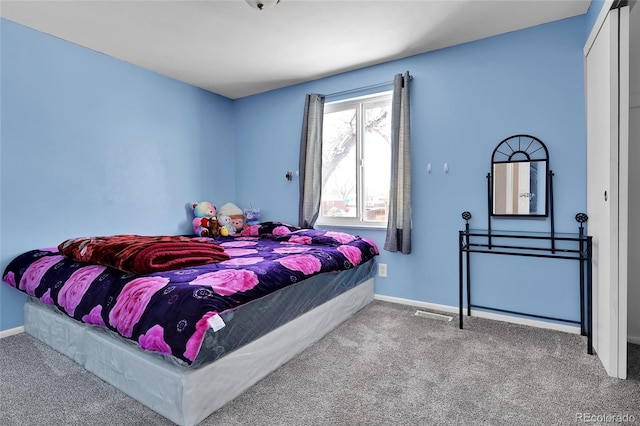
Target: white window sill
(354, 225)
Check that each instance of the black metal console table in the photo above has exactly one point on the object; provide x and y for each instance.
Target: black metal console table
(533, 244)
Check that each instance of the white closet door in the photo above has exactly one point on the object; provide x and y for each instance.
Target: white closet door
(633, 299)
(607, 187)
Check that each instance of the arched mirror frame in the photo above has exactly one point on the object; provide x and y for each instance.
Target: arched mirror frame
(527, 151)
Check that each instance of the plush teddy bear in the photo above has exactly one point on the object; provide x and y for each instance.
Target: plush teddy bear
(226, 225)
(205, 223)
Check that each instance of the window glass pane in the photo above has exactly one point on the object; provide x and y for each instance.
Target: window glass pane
(339, 164)
(356, 161)
(377, 162)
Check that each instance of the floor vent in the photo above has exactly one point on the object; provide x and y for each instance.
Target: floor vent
(433, 316)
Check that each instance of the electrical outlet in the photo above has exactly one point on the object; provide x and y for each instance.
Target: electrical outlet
(382, 269)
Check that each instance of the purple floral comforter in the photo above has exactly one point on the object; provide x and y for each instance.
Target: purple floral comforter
(169, 312)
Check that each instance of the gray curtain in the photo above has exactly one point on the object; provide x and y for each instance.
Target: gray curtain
(399, 218)
(311, 161)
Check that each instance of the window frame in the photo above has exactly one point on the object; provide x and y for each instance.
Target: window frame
(360, 103)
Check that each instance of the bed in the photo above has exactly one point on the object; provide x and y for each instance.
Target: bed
(185, 341)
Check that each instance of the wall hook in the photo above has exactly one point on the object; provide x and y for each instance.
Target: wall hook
(446, 167)
(289, 176)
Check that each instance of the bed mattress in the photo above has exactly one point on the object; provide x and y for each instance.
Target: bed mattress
(171, 311)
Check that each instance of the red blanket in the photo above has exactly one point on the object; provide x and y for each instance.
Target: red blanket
(143, 254)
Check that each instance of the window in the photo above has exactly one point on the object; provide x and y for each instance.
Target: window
(356, 161)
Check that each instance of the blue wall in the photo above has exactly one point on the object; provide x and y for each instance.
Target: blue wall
(95, 146)
(91, 145)
(464, 101)
(592, 14)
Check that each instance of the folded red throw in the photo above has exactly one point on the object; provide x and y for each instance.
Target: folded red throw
(143, 254)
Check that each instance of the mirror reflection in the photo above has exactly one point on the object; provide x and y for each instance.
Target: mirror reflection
(519, 188)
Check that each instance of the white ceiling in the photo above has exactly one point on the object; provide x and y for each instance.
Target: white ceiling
(229, 48)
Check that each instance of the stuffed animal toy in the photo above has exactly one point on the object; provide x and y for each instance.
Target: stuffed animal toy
(252, 215)
(205, 223)
(238, 223)
(226, 228)
(236, 215)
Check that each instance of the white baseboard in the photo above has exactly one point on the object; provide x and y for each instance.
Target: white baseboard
(481, 314)
(633, 339)
(11, 331)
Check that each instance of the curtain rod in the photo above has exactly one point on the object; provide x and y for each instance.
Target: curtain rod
(358, 89)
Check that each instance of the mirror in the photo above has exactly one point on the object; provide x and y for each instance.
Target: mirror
(516, 187)
(519, 184)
